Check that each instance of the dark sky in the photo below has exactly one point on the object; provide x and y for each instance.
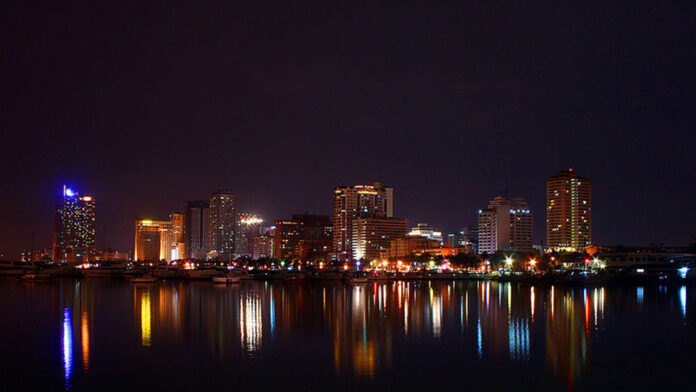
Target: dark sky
(145, 105)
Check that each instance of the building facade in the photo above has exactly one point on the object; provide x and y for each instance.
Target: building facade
(196, 229)
(178, 245)
(249, 226)
(423, 230)
(359, 201)
(406, 246)
(374, 235)
(263, 246)
(303, 237)
(74, 227)
(506, 225)
(153, 240)
(222, 224)
(568, 212)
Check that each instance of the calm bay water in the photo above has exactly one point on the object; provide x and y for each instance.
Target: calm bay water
(114, 335)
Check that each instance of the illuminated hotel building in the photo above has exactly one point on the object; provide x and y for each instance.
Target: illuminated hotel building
(73, 231)
(196, 229)
(374, 235)
(568, 212)
(222, 224)
(359, 201)
(505, 225)
(153, 240)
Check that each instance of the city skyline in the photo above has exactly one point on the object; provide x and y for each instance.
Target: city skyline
(537, 239)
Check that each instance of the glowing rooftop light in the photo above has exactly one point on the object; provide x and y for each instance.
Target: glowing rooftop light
(68, 192)
(251, 220)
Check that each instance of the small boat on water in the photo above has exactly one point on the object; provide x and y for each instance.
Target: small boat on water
(356, 278)
(144, 279)
(227, 279)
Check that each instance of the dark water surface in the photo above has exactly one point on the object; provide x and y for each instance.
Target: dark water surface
(114, 335)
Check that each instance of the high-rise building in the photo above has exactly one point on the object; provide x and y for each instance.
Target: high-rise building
(304, 237)
(153, 240)
(222, 224)
(374, 235)
(248, 228)
(505, 225)
(568, 212)
(178, 245)
(74, 227)
(359, 201)
(196, 229)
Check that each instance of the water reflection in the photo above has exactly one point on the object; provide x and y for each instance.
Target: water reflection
(146, 318)
(67, 346)
(359, 331)
(251, 322)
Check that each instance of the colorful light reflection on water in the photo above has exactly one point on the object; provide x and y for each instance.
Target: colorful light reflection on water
(351, 336)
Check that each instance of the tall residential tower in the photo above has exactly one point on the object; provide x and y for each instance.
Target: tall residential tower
(196, 229)
(505, 225)
(222, 224)
(359, 201)
(73, 231)
(568, 212)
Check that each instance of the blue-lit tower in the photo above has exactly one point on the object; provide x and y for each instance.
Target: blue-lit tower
(74, 227)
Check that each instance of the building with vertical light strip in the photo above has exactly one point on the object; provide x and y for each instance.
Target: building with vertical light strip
(568, 212)
(153, 240)
(506, 225)
(222, 224)
(74, 227)
(178, 245)
(359, 201)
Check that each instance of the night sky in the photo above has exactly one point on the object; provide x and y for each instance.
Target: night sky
(145, 105)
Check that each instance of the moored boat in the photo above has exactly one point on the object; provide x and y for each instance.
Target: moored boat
(356, 278)
(203, 273)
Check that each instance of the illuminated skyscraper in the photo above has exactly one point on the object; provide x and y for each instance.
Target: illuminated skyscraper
(196, 229)
(505, 225)
(248, 228)
(359, 201)
(153, 240)
(222, 224)
(568, 212)
(178, 244)
(74, 230)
